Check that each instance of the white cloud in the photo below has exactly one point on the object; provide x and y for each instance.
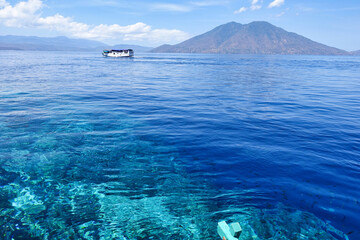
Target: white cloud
(62, 24)
(280, 14)
(276, 3)
(22, 14)
(209, 3)
(28, 15)
(257, 4)
(241, 10)
(136, 32)
(171, 7)
(255, 7)
(3, 3)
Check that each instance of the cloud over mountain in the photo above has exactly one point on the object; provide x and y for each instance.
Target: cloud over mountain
(257, 5)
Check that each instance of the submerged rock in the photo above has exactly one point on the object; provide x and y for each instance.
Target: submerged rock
(28, 202)
(284, 223)
(45, 143)
(79, 185)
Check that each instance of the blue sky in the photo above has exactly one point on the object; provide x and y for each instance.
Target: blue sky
(152, 23)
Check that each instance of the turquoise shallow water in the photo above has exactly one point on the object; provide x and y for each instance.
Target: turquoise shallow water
(164, 146)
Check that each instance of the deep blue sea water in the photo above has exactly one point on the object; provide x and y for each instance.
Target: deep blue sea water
(163, 146)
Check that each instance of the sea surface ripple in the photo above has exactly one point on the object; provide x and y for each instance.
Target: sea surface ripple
(163, 146)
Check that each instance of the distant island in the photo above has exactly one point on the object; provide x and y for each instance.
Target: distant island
(356, 53)
(31, 43)
(231, 38)
(252, 38)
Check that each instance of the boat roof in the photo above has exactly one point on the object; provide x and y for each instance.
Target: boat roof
(118, 50)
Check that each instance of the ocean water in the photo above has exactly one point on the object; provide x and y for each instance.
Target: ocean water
(164, 146)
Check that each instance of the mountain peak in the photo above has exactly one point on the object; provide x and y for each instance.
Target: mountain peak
(260, 23)
(258, 37)
(231, 23)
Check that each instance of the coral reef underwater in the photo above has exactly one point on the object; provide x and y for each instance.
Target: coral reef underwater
(73, 179)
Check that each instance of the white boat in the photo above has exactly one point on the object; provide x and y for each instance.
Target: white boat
(118, 53)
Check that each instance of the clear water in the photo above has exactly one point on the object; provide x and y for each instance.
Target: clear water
(164, 146)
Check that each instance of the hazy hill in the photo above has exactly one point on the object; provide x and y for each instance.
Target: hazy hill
(58, 44)
(356, 53)
(44, 43)
(136, 48)
(252, 38)
(8, 48)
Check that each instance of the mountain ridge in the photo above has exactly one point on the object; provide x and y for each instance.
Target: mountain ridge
(60, 43)
(355, 53)
(253, 38)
